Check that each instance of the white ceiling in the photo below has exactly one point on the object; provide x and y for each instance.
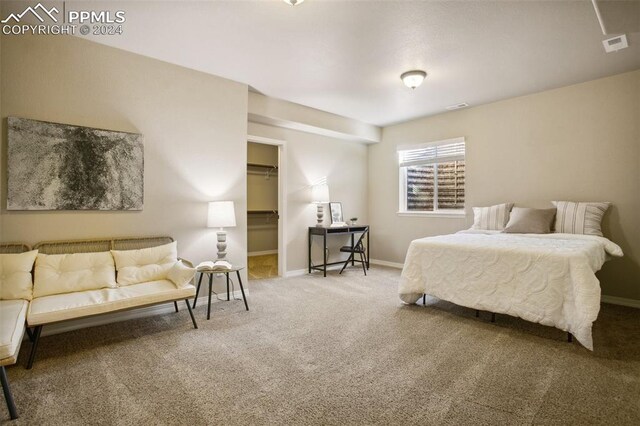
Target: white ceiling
(346, 57)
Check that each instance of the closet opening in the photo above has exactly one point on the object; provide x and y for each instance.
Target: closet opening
(264, 209)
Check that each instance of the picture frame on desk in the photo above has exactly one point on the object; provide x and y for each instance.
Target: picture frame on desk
(337, 219)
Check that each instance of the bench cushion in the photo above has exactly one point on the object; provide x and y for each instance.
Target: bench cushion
(60, 307)
(149, 264)
(15, 275)
(181, 274)
(12, 316)
(68, 273)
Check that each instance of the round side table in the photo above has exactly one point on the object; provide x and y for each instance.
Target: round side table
(211, 272)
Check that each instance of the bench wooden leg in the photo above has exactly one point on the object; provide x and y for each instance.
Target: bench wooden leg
(175, 305)
(193, 319)
(34, 346)
(8, 396)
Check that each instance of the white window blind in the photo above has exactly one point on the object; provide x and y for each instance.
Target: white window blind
(432, 176)
(449, 150)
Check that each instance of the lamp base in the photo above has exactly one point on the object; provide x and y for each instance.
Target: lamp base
(222, 245)
(320, 215)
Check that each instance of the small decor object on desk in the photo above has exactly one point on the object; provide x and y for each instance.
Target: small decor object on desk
(336, 215)
(353, 221)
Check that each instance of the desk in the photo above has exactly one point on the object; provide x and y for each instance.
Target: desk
(211, 273)
(323, 232)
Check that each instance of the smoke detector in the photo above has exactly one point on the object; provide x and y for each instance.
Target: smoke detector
(458, 106)
(616, 43)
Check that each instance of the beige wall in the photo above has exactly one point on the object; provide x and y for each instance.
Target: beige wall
(194, 125)
(277, 112)
(310, 157)
(262, 194)
(1, 139)
(579, 142)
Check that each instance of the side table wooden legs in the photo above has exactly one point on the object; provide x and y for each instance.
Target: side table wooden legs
(241, 289)
(228, 280)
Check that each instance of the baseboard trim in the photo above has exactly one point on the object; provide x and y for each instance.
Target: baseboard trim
(261, 253)
(623, 301)
(386, 263)
(148, 311)
(296, 273)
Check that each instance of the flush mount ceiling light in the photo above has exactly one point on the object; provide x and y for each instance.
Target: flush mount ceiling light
(293, 2)
(413, 78)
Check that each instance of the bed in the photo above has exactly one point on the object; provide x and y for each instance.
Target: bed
(544, 278)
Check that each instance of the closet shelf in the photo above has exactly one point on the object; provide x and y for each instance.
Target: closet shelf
(262, 211)
(262, 166)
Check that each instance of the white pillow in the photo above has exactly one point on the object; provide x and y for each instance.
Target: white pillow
(15, 275)
(68, 273)
(150, 264)
(493, 218)
(580, 218)
(180, 274)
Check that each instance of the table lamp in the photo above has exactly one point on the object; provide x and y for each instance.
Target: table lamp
(221, 215)
(320, 195)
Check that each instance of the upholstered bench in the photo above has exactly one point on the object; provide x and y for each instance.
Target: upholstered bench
(16, 262)
(80, 279)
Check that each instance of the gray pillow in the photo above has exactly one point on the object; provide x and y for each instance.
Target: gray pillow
(530, 221)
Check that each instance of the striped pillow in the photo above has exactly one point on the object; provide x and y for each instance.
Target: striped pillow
(492, 218)
(579, 218)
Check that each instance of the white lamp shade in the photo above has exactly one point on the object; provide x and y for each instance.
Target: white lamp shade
(221, 214)
(320, 193)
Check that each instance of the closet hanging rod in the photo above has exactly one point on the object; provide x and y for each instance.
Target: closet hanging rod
(262, 211)
(262, 166)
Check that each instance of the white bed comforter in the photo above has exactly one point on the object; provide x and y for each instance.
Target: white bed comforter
(549, 279)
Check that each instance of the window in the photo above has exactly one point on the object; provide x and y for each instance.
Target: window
(432, 177)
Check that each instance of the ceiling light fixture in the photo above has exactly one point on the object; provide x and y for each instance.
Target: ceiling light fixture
(457, 106)
(413, 78)
(293, 2)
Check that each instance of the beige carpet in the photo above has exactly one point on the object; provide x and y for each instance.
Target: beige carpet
(332, 351)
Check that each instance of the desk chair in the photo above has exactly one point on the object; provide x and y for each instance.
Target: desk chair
(358, 248)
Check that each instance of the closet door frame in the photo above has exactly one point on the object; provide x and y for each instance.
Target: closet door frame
(282, 197)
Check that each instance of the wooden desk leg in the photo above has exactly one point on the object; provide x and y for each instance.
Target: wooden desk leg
(246, 305)
(353, 259)
(195, 299)
(368, 249)
(210, 288)
(309, 251)
(228, 298)
(324, 253)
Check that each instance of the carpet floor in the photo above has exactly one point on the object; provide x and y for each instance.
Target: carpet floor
(339, 350)
(260, 267)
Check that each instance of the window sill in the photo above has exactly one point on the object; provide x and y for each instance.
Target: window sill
(446, 214)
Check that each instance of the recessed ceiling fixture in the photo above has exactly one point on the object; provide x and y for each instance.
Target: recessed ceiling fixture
(413, 78)
(457, 106)
(293, 2)
(616, 43)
